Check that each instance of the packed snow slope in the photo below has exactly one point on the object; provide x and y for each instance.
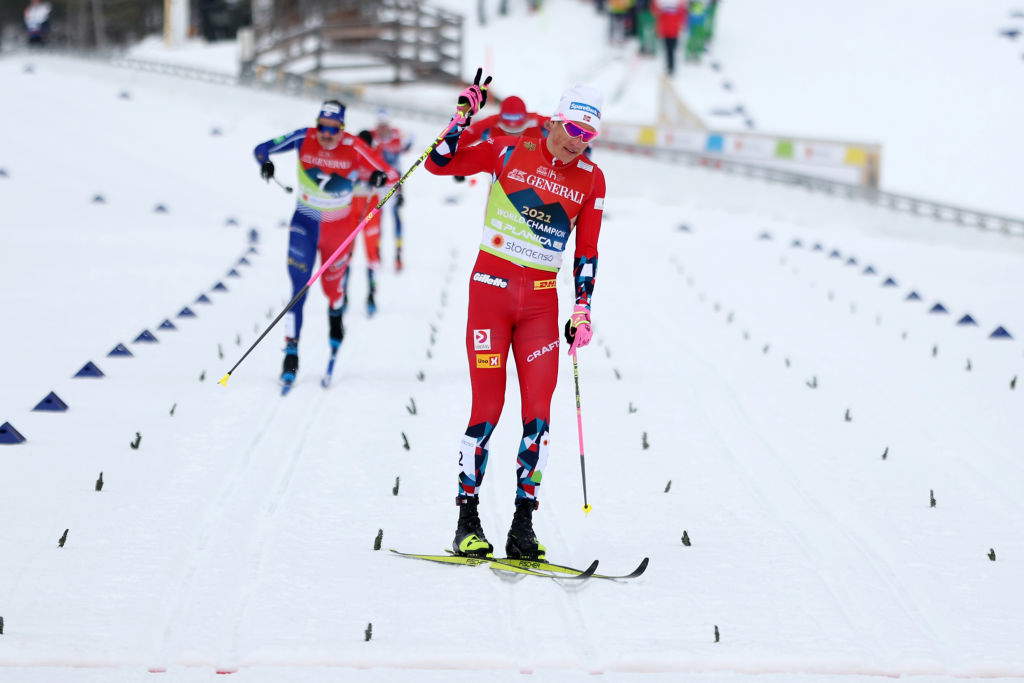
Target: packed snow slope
(763, 379)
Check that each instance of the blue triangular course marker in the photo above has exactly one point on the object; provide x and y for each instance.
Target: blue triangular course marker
(233, 273)
(167, 325)
(253, 250)
(203, 299)
(817, 247)
(797, 243)
(89, 370)
(870, 270)
(938, 308)
(52, 402)
(144, 336)
(889, 282)
(186, 313)
(220, 287)
(913, 296)
(851, 261)
(764, 236)
(1000, 333)
(684, 228)
(120, 350)
(232, 221)
(98, 199)
(967, 320)
(835, 254)
(8, 434)
(243, 261)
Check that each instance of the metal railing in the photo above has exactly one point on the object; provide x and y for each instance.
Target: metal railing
(897, 202)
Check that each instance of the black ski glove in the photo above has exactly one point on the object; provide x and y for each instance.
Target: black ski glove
(267, 170)
(459, 178)
(378, 178)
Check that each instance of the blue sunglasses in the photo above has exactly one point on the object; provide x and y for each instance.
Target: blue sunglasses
(330, 130)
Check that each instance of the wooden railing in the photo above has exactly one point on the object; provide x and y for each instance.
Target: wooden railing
(391, 41)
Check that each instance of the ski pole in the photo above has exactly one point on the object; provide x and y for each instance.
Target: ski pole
(579, 425)
(456, 120)
(286, 188)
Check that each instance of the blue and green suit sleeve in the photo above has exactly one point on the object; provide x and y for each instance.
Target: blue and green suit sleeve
(283, 143)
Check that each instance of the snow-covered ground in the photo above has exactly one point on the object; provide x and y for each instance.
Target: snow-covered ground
(804, 414)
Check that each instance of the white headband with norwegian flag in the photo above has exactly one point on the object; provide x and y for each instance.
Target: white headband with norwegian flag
(582, 104)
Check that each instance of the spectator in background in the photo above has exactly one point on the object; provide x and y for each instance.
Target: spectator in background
(37, 22)
(697, 24)
(671, 17)
(618, 15)
(645, 26)
(709, 30)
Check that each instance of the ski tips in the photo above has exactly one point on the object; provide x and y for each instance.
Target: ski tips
(224, 380)
(587, 508)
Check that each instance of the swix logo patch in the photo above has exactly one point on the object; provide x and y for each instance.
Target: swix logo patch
(544, 284)
(541, 351)
(490, 280)
(482, 340)
(486, 361)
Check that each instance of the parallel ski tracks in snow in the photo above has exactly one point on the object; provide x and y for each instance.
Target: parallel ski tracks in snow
(779, 472)
(244, 478)
(260, 537)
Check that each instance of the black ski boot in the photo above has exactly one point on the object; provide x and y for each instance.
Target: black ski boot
(371, 304)
(337, 330)
(469, 534)
(522, 543)
(291, 361)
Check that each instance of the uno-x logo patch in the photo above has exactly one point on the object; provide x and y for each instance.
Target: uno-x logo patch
(488, 360)
(482, 340)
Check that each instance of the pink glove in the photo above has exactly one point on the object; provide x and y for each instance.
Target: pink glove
(470, 99)
(577, 329)
(473, 98)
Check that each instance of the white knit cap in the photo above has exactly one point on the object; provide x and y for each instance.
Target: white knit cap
(581, 103)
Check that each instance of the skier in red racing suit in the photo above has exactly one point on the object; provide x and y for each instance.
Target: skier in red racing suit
(541, 188)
